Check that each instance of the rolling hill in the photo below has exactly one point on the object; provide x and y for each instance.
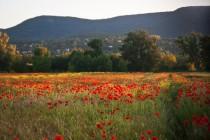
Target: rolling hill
(167, 24)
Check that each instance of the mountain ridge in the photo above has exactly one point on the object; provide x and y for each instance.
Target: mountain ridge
(168, 24)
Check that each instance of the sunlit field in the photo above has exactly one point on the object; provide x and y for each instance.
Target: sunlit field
(105, 106)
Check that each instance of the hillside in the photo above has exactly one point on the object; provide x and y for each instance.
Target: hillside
(166, 24)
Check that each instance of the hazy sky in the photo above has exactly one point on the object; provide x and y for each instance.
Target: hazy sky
(13, 12)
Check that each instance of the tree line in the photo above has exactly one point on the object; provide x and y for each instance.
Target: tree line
(139, 52)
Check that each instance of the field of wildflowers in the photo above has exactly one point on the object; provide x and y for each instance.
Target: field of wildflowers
(105, 106)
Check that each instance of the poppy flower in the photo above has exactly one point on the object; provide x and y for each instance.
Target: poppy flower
(154, 138)
(157, 114)
(59, 137)
(99, 126)
(103, 134)
(149, 132)
(142, 137)
(113, 137)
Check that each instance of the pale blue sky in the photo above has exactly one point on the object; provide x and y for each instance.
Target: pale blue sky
(13, 12)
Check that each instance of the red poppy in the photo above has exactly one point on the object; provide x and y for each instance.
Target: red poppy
(99, 126)
(157, 114)
(142, 137)
(113, 137)
(200, 120)
(149, 132)
(103, 134)
(109, 123)
(59, 137)
(154, 138)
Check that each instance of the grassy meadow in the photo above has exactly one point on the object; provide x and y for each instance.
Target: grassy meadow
(105, 106)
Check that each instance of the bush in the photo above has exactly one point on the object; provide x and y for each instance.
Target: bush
(59, 64)
(41, 64)
(118, 64)
(102, 63)
(168, 62)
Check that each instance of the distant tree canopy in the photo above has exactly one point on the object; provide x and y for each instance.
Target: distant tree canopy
(41, 59)
(90, 60)
(8, 53)
(96, 45)
(168, 61)
(79, 62)
(102, 63)
(141, 51)
(118, 64)
(205, 51)
(190, 45)
(59, 64)
(41, 51)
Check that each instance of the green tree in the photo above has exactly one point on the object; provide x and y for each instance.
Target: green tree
(141, 51)
(23, 64)
(8, 53)
(60, 63)
(168, 61)
(41, 51)
(96, 45)
(80, 62)
(102, 63)
(205, 52)
(73, 60)
(41, 64)
(41, 59)
(190, 45)
(182, 63)
(118, 64)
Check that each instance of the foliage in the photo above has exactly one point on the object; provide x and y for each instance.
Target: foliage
(80, 62)
(41, 64)
(23, 64)
(96, 45)
(41, 59)
(205, 53)
(59, 63)
(141, 52)
(118, 64)
(168, 62)
(90, 60)
(182, 63)
(191, 46)
(102, 63)
(41, 51)
(7, 53)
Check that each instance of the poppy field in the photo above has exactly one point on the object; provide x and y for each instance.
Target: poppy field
(105, 106)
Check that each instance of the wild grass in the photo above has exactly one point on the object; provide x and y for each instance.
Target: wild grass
(94, 106)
